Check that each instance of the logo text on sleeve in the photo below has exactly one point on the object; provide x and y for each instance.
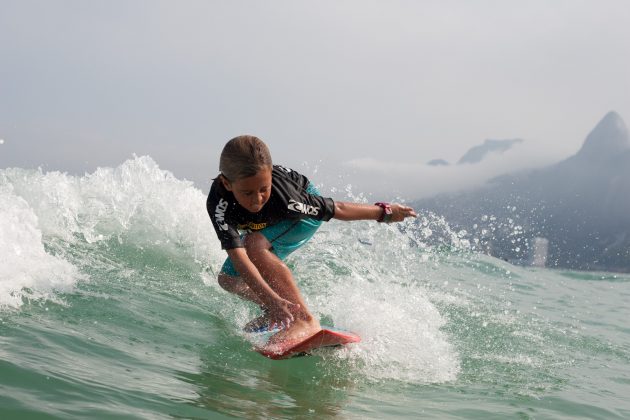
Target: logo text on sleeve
(219, 214)
(303, 208)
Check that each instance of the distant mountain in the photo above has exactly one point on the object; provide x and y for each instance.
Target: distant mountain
(478, 153)
(437, 162)
(580, 205)
(608, 139)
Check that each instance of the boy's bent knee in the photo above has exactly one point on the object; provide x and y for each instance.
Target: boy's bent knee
(227, 282)
(256, 241)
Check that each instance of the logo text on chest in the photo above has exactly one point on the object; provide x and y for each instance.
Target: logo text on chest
(252, 226)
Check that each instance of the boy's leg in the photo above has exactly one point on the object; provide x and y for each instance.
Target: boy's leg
(280, 279)
(266, 249)
(279, 240)
(272, 269)
(275, 272)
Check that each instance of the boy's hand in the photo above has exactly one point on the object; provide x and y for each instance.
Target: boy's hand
(281, 314)
(400, 212)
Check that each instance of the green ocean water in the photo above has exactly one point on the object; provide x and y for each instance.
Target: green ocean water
(109, 309)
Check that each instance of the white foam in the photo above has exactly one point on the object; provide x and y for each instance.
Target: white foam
(136, 202)
(374, 290)
(26, 269)
(400, 329)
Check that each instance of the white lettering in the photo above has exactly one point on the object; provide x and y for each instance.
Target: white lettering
(303, 208)
(219, 214)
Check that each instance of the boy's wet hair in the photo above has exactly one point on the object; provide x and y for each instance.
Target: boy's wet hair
(244, 156)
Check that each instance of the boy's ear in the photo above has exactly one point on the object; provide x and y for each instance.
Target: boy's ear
(226, 183)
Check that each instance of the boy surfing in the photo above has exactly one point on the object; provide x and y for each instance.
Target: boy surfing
(263, 212)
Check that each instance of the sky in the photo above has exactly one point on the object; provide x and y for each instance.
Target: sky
(348, 91)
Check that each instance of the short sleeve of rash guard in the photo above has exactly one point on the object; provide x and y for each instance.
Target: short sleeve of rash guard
(313, 206)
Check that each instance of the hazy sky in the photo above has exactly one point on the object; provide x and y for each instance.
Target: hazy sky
(359, 90)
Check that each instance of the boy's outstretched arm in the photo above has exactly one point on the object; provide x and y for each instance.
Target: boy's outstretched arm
(357, 211)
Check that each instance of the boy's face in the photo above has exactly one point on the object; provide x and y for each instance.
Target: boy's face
(252, 193)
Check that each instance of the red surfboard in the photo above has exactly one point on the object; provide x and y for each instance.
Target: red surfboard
(327, 337)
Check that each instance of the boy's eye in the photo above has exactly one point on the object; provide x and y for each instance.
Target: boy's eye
(250, 193)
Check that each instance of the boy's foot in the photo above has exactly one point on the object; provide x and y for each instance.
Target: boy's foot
(258, 324)
(299, 331)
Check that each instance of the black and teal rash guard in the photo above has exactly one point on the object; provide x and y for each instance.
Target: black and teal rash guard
(290, 199)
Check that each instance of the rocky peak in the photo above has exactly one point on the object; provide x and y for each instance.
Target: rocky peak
(606, 140)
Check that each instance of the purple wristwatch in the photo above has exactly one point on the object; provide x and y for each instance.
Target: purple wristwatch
(386, 216)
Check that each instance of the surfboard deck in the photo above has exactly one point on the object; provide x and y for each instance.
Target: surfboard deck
(327, 337)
